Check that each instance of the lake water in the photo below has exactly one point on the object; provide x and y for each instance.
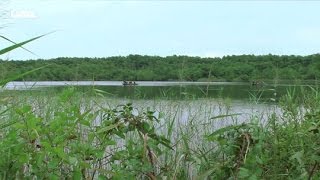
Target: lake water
(192, 110)
(192, 105)
(169, 90)
(198, 117)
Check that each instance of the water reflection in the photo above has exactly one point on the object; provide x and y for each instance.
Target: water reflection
(168, 90)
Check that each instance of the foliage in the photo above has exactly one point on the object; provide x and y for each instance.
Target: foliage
(66, 140)
(285, 148)
(136, 67)
(69, 136)
(5, 79)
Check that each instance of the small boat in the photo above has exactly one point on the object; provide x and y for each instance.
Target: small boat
(257, 83)
(254, 83)
(129, 83)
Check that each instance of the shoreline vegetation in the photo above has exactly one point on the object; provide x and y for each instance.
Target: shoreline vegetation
(69, 135)
(73, 136)
(240, 68)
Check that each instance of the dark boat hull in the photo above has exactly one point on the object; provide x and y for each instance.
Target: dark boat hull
(129, 83)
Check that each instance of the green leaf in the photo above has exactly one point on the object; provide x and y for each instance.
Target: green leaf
(244, 173)
(76, 174)
(7, 124)
(73, 160)
(205, 174)
(4, 82)
(226, 115)
(53, 164)
(223, 130)
(15, 46)
(53, 176)
(253, 177)
(60, 152)
(25, 109)
(222, 116)
(101, 92)
(16, 43)
(105, 129)
(102, 177)
(3, 112)
(298, 156)
(23, 158)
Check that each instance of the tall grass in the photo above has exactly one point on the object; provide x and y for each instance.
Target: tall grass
(73, 135)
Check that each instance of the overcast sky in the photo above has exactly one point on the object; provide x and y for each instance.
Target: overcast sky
(97, 28)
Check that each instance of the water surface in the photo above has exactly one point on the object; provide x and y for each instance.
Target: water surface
(169, 90)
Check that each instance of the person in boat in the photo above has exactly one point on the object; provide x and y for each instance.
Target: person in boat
(129, 83)
(254, 83)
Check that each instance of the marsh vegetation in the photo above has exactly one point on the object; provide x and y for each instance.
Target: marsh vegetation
(75, 133)
(86, 134)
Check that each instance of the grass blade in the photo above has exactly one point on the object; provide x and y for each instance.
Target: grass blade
(4, 82)
(17, 43)
(15, 46)
(227, 115)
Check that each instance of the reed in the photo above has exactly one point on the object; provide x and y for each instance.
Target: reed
(72, 135)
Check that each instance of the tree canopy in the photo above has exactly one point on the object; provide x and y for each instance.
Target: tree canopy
(155, 68)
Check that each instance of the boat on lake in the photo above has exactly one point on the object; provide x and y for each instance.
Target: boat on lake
(129, 83)
(257, 83)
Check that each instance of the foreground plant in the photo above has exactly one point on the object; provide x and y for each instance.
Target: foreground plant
(68, 141)
(287, 147)
(71, 136)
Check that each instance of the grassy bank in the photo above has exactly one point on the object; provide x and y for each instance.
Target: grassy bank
(69, 135)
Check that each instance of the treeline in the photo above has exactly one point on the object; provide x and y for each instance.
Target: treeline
(155, 68)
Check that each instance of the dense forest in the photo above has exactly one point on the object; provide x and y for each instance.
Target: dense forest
(183, 68)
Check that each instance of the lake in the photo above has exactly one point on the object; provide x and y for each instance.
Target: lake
(169, 90)
(195, 108)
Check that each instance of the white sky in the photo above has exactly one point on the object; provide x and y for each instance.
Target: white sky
(98, 28)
